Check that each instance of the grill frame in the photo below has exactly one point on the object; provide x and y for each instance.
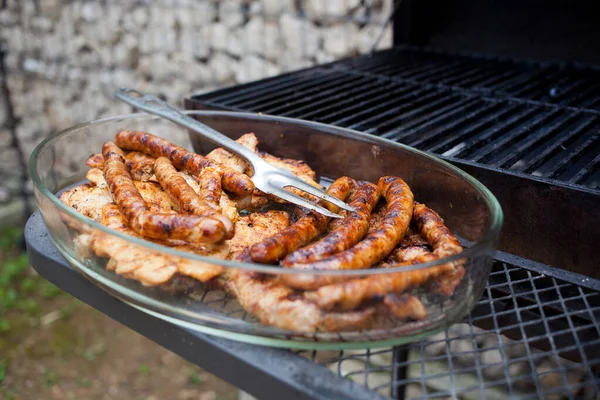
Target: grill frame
(561, 211)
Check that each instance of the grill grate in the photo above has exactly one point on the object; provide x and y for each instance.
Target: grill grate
(537, 120)
(531, 336)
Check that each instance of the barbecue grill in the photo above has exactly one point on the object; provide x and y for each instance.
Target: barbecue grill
(509, 92)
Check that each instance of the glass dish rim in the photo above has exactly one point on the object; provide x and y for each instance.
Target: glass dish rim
(478, 248)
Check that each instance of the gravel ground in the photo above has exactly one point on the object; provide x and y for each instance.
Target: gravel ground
(72, 351)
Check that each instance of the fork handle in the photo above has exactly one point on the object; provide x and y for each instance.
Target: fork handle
(153, 105)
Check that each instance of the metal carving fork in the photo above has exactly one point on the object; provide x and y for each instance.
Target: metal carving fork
(266, 178)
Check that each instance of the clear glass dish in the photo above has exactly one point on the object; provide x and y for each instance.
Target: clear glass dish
(469, 209)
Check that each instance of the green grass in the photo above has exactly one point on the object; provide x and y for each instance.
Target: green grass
(4, 325)
(18, 283)
(144, 370)
(83, 382)
(2, 371)
(195, 378)
(50, 378)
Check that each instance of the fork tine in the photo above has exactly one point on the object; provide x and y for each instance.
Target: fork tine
(300, 184)
(295, 199)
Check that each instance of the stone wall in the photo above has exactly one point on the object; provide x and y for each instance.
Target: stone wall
(63, 59)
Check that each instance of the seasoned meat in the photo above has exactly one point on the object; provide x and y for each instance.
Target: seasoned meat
(299, 168)
(405, 307)
(374, 247)
(140, 165)
(350, 294)
(88, 199)
(232, 161)
(411, 247)
(192, 163)
(191, 228)
(95, 161)
(362, 199)
(307, 228)
(186, 197)
(149, 267)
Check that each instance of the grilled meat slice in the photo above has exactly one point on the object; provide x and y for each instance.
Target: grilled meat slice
(232, 161)
(149, 267)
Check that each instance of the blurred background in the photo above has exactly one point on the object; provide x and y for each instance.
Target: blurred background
(60, 62)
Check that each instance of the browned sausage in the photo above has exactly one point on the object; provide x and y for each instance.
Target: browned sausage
(349, 295)
(363, 198)
(412, 246)
(374, 247)
(191, 228)
(188, 199)
(432, 228)
(444, 244)
(302, 231)
(210, 186)
(182, 159)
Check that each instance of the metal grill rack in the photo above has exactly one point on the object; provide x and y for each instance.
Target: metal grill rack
(538, 120)
(497, 351)
(529, 336)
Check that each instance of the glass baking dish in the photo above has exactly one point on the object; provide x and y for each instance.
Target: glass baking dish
(469, 209)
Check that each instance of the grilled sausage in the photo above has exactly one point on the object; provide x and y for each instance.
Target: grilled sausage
(190, 228)
(444, 244)
(210, 186)
(363, 198)
(182, 159)
(184, 194)
(374, 247)
(302, 231)
(349, 295)
(412, 246)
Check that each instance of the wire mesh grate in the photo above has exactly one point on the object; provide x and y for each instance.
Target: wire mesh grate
(549, 356)
(458, 107)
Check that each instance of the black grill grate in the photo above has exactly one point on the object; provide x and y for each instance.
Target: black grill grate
(531, 336)
(532, 119)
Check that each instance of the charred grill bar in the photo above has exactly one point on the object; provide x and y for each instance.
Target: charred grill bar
(469, 81)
